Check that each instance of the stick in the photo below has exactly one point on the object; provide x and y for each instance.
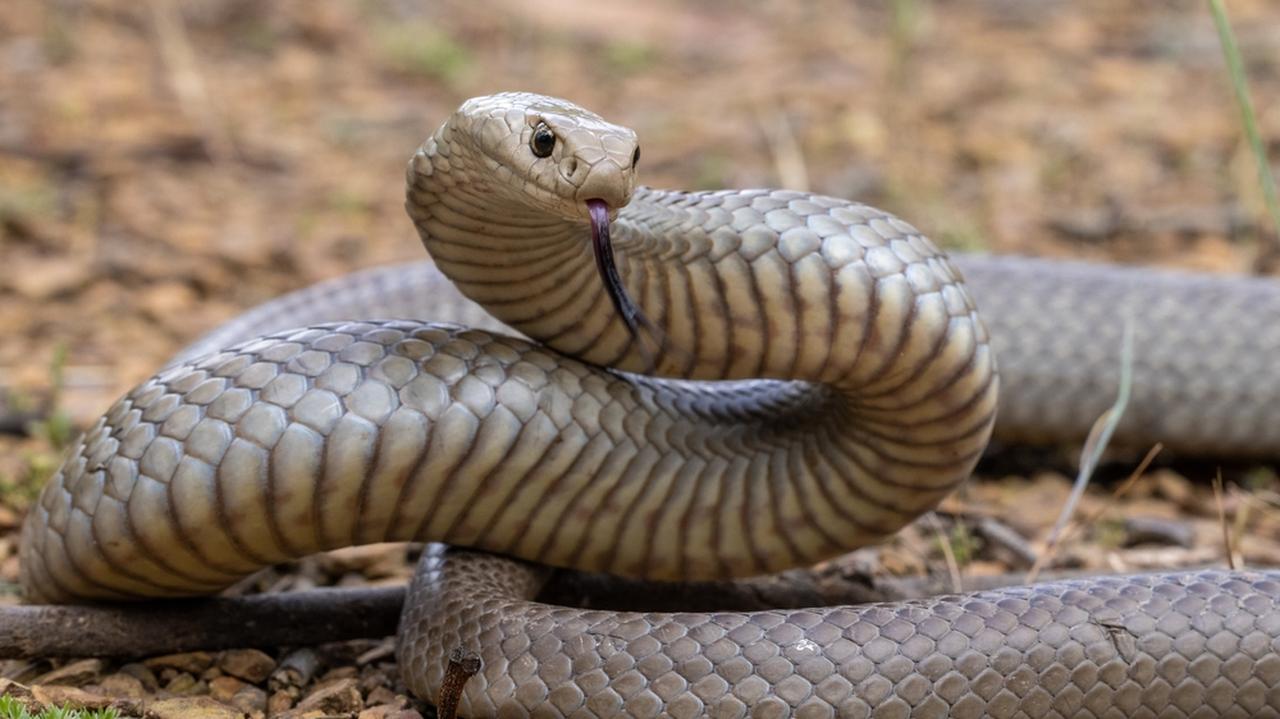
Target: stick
(139, 630)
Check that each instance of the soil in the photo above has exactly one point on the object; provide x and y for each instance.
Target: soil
(164, 166)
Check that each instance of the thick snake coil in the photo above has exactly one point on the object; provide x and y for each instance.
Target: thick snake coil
(865, 390)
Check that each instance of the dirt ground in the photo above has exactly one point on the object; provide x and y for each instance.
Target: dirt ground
(165, 165)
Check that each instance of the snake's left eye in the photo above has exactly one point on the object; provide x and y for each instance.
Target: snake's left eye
(635, 157)
(543, 140)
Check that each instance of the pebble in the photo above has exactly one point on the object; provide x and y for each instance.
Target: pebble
(123, 685)
(296, 669)
(334, 697)
(223, 688)
(190, 662)
(77, 673)
(383, 695)
(250, 699)
(142, 674)
(279, 702)
(192, 708)
(72, 696)
(250, 665)
(184, 683)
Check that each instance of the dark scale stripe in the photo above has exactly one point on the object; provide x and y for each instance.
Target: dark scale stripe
(628, 515)
(518, 487)
(614, 483)
(225, 520)
(927, 362)
(762, 321)
(416, 471)
(576, 470)
(656, 517)
(444, 484)
(274, 522)
(773, 478)
(802, 464)
(694, 316)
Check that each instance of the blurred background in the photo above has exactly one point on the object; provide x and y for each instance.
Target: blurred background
(165, 165)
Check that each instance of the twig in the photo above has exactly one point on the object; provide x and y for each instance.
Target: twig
(187, 82)
(1222, 520)
(948, 553)
(1093, 517)
(1099, 436)
(138, 630)
(788, 157)
(463, 665)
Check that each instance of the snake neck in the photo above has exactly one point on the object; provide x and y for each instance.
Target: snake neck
(530, 268)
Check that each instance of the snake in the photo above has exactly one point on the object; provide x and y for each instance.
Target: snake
(676, 386)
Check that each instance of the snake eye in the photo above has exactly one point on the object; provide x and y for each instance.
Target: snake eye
(635, 157)
(543, 140)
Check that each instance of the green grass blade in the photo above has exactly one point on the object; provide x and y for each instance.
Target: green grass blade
(1248, 118)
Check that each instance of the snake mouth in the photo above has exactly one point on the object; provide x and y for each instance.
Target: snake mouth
(626, 308)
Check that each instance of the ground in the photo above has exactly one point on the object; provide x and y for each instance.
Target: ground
(164, 166)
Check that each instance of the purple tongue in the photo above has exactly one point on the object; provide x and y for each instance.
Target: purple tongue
(627, 310)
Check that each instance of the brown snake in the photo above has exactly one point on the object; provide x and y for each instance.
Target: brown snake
(864, 391)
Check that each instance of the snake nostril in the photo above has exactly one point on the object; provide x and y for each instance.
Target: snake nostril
(569, 167)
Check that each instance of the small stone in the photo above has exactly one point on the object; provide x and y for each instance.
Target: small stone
(190, 662)
(75, 674)
(223, 688)
(68, 696)
(296, 669)
(279, 701)
(250, 699)
(384, 695)
(250, 665)
(183, 683)
(343, 672)
(142, 674)
(192, 708)
(334, 697)
(123, 685)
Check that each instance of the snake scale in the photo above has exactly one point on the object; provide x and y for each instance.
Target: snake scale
(564, 424)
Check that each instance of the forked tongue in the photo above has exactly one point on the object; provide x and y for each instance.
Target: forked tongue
(630, 313)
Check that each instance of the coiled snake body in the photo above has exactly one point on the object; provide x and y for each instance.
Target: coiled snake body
(863, 390)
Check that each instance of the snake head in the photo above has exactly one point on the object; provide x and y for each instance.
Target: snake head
(549, 154)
